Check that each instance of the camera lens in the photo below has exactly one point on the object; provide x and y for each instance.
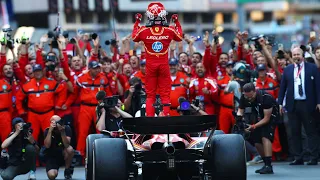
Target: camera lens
(113, 42)
(66, 34)
(94, 36)
(50, 34)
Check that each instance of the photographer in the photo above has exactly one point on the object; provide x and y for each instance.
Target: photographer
(57, 148)
(132, 102)
(22, 150)
(109, 117)
(262, 128)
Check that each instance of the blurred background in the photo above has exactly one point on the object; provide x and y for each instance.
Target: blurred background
(287, 20)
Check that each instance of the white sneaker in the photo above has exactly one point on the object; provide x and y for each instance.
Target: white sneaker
(255, 160)
(32, 175)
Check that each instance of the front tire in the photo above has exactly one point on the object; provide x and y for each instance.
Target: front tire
(110, 159)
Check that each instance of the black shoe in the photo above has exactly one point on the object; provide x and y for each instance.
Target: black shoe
(68, 173)
(258, 170)
(297, 162)
(266, 170)
(312, 162)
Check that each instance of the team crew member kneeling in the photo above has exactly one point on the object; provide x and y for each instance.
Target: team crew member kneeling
(21, 149)
(58, 149)
(262, 129)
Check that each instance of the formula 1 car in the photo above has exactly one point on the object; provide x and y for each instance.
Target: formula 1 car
(164, 150)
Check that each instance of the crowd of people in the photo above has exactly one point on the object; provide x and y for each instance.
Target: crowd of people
(39, 89)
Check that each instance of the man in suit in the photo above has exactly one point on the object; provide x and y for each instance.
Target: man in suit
(300, 84)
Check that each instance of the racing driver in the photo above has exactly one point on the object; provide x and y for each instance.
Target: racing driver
(157, 35)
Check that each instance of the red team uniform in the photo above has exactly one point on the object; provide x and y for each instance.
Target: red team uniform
(157, 38)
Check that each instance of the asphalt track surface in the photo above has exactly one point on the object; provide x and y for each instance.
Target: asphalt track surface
(282, 172)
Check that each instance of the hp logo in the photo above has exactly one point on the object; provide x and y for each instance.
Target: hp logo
(157, 46)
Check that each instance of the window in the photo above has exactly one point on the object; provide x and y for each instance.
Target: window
(227, 17)
(190, 17)
(121, 17)
(71, 17)
(87, 17)
(103, 18)
(207, 17)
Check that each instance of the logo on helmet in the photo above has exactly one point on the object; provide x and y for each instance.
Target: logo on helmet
(157, 46)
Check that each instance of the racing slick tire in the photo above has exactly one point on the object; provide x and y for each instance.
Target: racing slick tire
(110, 159)
(89, 150)
(217, 132)
(228, 157)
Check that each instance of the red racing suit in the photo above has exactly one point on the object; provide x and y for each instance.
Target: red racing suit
(196, 91)
(156, 42)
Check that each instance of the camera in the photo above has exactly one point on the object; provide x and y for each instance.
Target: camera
(240, 126)
(185, 105)
(269, 39)
(51, 58)
(255, 39)
(113, 42)
(22, 40)
(7, 38)
(281, 54)
(216, 39)
(26, 128)
(138, 87)
(196, 102)
(109, 102)
(54, 35)
(72, 41)
(61, 122)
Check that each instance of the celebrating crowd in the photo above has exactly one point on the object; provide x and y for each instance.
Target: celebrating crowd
(43, 87)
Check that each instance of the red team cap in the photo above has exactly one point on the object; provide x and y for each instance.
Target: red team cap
(156, 9)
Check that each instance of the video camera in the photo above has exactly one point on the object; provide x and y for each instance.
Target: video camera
(107, 102)
(57, 31)
(7, 38)
(23, 39)
(61, 122)
(112, 42)
(269, 39)
(185, 105)
(138, 87)
(26, 129)
(110, 102)
(281, 54)
(240, 126)
(255, 39)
